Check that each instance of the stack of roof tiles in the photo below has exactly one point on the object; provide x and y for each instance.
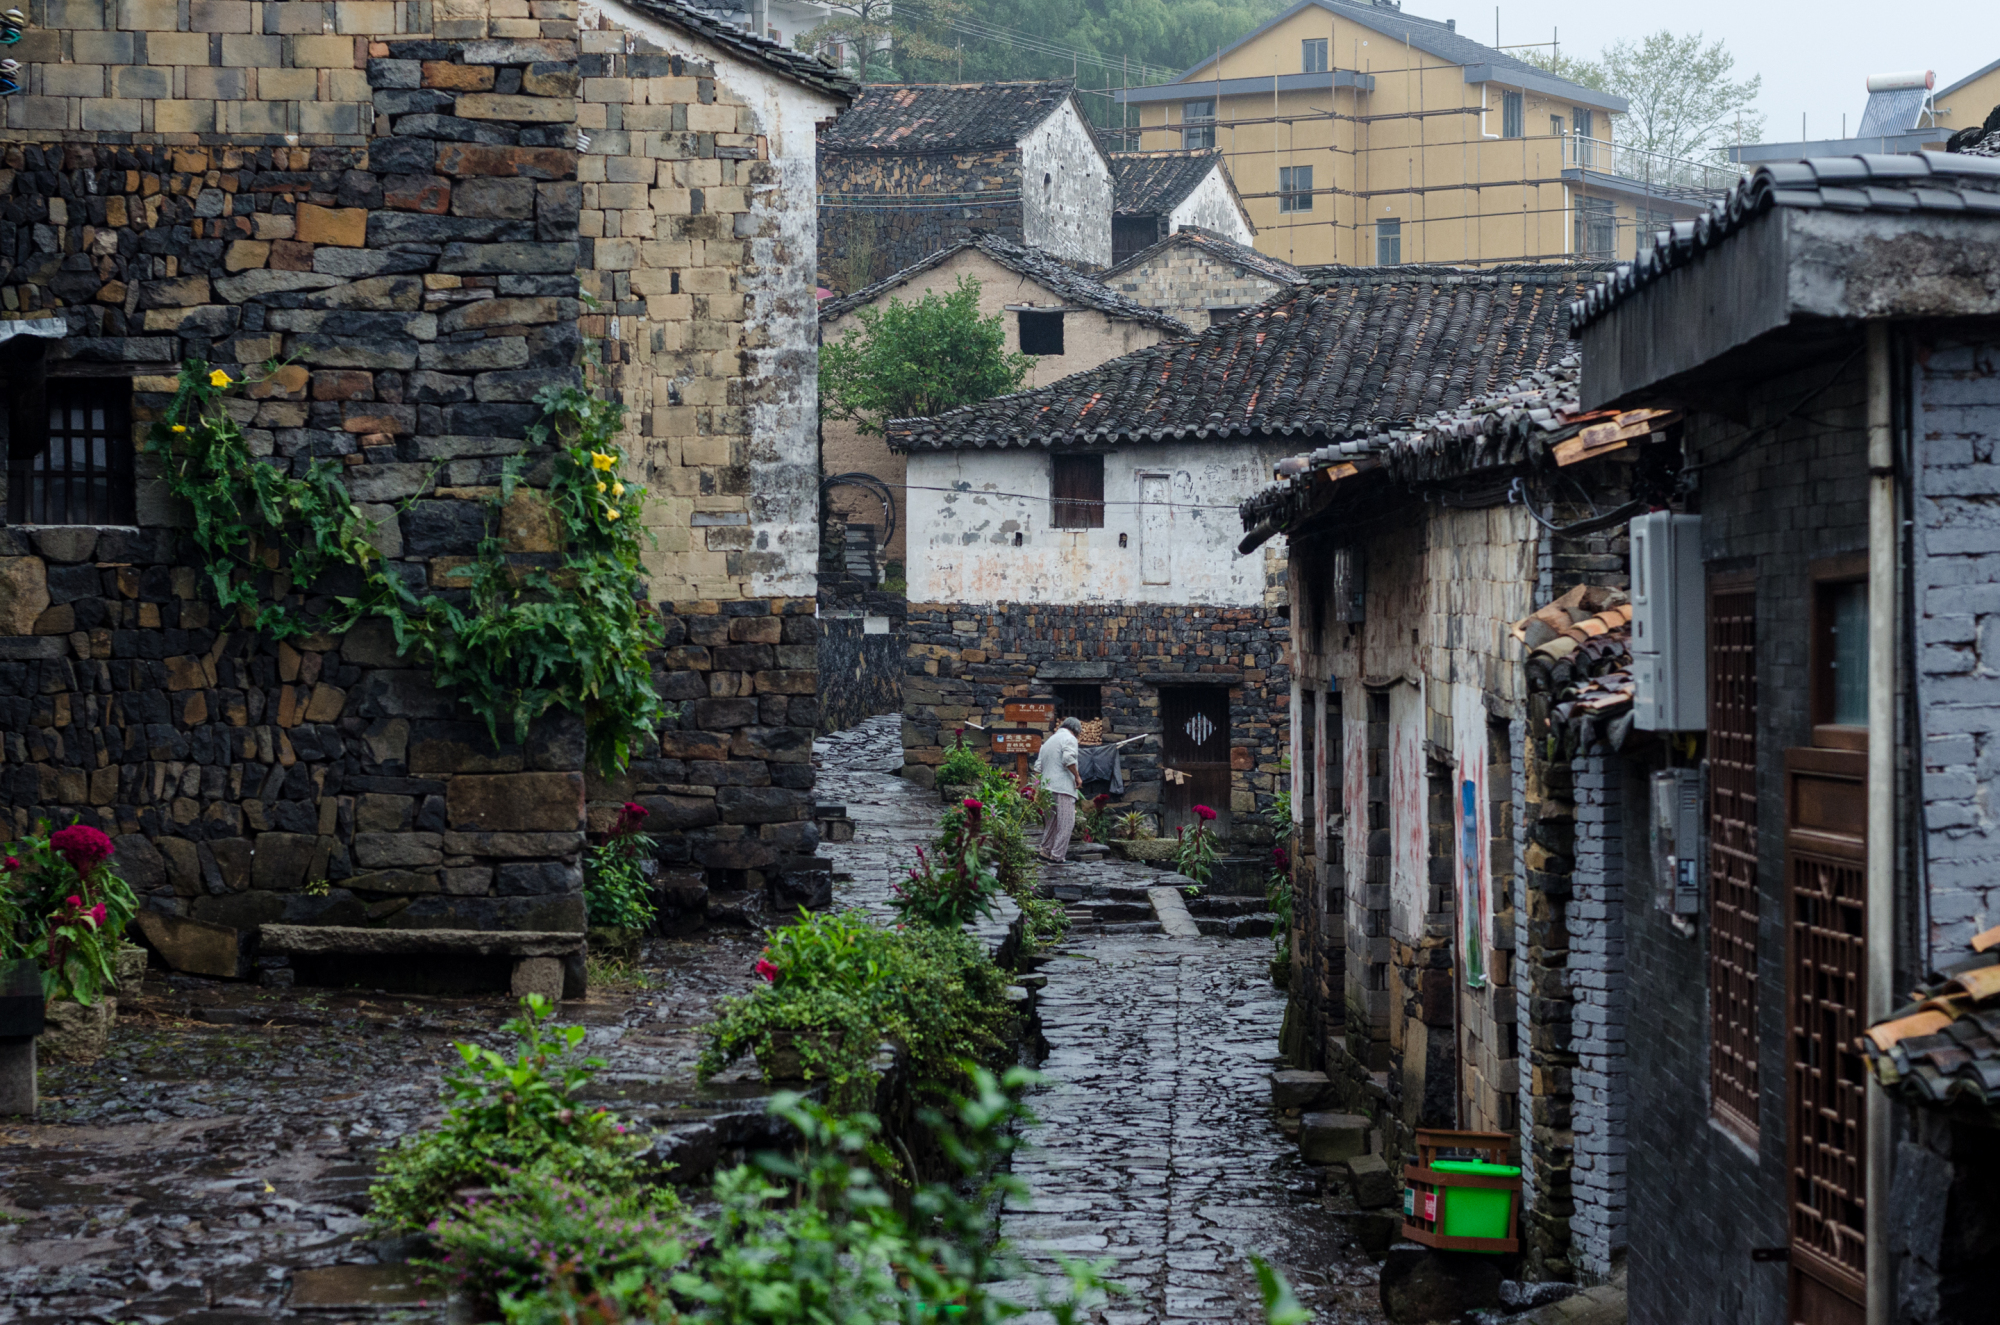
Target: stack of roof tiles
(1042, 267)
(1962, 182)
(1580, 656)
(943, 117)
(1355, 353)
(1154, 183)
(1943, 1048)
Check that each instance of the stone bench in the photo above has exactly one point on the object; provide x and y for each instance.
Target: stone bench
(546, 962)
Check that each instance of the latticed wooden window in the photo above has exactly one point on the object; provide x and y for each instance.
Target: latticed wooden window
(71, 458)
(1732, 833)
(1077, 486)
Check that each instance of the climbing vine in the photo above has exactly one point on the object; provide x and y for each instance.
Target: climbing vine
(524, 632)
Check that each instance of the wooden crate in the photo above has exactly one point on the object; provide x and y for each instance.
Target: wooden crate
(1422, 1183)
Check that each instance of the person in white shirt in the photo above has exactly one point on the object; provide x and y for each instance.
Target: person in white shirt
(1056, 766)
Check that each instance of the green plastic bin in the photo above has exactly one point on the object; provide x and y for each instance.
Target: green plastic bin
(1475, 1212)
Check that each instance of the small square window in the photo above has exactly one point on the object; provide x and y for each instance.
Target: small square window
(1312, 55)
(70, 457)
(1512, 123)
(1388, 241)
(1839, 690)
(1218, 316)
(1295, 188)
(1085, 703)
(1041, 333)
(1076, 487)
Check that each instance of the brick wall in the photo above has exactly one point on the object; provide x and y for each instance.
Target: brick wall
(1597, 985)
(965, 661)
(1187, 282)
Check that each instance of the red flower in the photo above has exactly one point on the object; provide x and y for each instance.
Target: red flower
(11, 863)
(1101, 798)
(1203, 813)
(767, 970)
(972, 804)
(82, 846)
(73, 902)
(1281, 858)
(95, 916)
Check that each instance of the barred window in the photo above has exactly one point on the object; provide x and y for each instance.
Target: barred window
(70, 458)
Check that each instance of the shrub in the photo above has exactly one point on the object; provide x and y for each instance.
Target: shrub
(615, 888)
(1011, 809)
(505, 1115)
(953, 883)
(1196, 856)
(63, 907)
(1135, 825)
(911, 360)
(837, 986)
(962, 765)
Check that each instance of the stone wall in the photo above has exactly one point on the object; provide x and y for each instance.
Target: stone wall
(861, 649)
(1188, 282)
(965, 661)
(880, 213)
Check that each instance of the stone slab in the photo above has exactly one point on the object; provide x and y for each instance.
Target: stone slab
(1296, 1089)
(195, 947)
(19, 1095)
(1333, 1138)
(1170, 908)
(362, 1287)
(354, 941)
(1374, 1183)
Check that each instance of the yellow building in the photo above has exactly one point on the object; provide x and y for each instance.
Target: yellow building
(1362, 135)
(1970, 100)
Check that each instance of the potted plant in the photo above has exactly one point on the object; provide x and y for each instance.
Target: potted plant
(65, 908)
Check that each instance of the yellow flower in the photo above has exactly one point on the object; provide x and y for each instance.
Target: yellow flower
(618, 489)
(601, 460)
(218, 378)
(180, 427)
(611, 513)
(600, 487)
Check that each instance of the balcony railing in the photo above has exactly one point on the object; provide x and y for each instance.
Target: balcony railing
(1655, 172)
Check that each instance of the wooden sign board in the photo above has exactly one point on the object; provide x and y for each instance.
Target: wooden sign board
(1031, 711)
(1017, 743)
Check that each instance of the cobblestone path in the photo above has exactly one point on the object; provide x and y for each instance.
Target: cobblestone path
(1156, 1147)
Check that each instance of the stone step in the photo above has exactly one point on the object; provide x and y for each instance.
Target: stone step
(1237, 927)
(1333, 1138)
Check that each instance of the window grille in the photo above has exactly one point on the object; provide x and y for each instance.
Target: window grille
(1077, 486)
(71, 460)
(1732, 836)
(1512, 121)
(1085, 703)
(1596, 228)
(1295, 188)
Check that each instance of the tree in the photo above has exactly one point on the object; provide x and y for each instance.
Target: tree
(918, 359)
(887, 36)
(1684, 103)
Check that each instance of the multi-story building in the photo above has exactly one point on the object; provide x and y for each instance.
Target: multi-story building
(1361, 135)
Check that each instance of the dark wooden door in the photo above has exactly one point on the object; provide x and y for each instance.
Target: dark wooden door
(1826, 861)
(1194, 740)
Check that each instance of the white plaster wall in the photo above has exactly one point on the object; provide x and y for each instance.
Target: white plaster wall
(782, 312)
(962, 549)
(1070, 214)
(1213, 206)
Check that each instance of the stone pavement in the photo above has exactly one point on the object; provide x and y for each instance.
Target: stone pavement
(1156, 1147)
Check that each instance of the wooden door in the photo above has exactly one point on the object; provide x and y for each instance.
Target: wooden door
(1194, 740)
(1826, 979)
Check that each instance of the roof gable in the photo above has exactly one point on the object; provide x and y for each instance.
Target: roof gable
(1216, 246)
(1154, 183)
(795, 65)
(1433, 37)
(1044, 269)
(1356, 351)
(944, 117)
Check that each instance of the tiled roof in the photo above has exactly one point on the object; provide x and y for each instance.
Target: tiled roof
(1043, 268)
(1154, 183)
(1219, 246)
(807, 69)
(1944, 1047)
(1959, 182)
(944, 117)
(1349, 355)
(1580, 656)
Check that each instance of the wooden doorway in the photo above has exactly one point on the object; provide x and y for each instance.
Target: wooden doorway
(1194, 740)
(1826, 862)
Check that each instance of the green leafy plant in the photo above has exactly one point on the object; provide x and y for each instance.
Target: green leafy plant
(1134, 826)
(1281, 1305)
(1094, 818)
(530, 638)
(506, 1114)
(837, 986)
(907, 360)
(954, 883)
(1196, 854)
(616, 891)
(63, 907)
(962, 766)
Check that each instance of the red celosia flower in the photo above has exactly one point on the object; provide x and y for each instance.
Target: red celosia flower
(972, 804)
(1101, 798)
(97, 914)
(765, 969)
(12, 863)
(73, 902)
(84, 847)
(1203, 813)
(1281, 858)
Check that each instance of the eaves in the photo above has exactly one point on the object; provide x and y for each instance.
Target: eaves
(1239, 87)
(1559, 88)
(1690, 202)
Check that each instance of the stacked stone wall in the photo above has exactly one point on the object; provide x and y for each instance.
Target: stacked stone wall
(927, 202)
(964, 662)
(861, 649)
(1187, 281)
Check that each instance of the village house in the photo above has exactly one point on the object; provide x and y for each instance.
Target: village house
(916, 168)
(1440, 965)
(1829, 333)
(1155, 194)
(1201, 277)
(405, 206)
(1364, 135)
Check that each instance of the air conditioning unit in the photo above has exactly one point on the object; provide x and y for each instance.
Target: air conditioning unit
(1669, 626)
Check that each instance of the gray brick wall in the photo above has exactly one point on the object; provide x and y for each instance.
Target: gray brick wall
(1597, 987)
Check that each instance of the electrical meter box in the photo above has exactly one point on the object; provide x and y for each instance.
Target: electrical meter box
(1679, 853)
(1669, 625)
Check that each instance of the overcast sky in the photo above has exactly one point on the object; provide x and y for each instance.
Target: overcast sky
(1815, 55)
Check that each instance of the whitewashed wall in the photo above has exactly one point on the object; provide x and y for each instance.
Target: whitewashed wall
(1070, 213)
(1213, 206)
(962, 548)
